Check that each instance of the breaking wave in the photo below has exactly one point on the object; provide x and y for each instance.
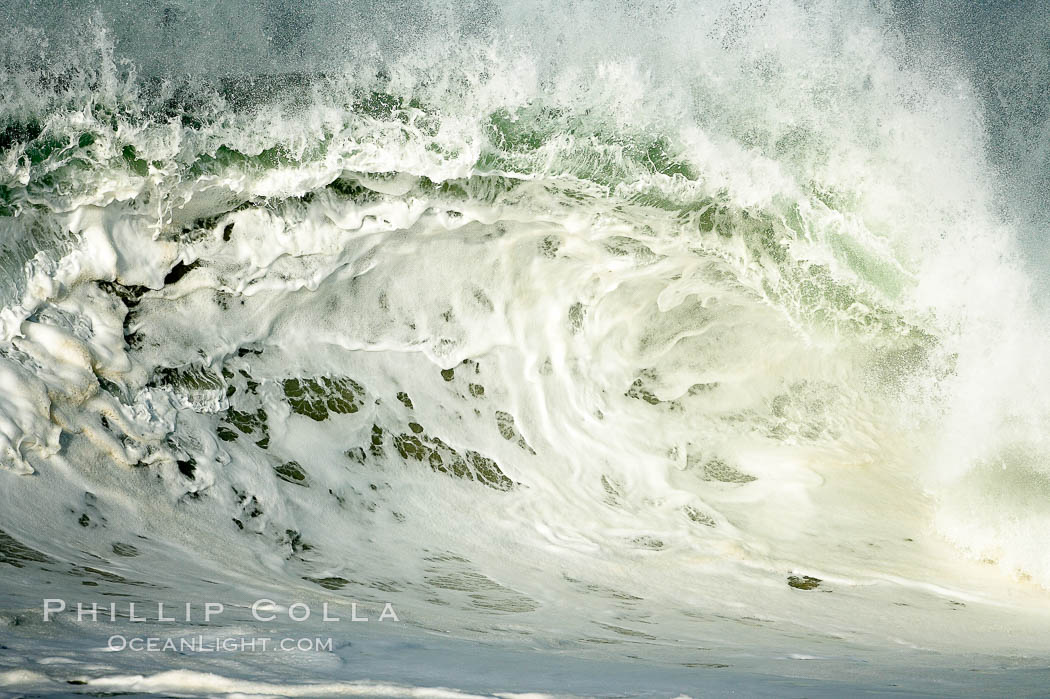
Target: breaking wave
(613, 345)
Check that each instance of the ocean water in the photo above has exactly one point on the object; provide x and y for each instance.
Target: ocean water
(618, 349)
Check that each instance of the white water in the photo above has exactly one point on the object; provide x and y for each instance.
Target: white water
(626, 334)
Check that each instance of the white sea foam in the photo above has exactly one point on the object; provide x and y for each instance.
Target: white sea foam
(716, 342)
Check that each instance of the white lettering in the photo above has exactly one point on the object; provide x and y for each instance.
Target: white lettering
(212, 608)
(260, 603)
(299, 605)
(50, 608)
(81, 613)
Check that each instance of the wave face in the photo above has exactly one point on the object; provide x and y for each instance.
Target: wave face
(581, 326)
